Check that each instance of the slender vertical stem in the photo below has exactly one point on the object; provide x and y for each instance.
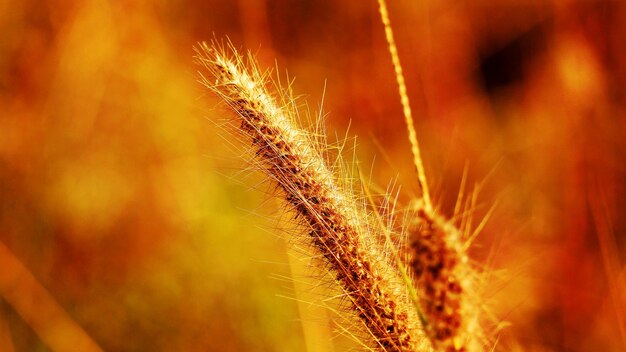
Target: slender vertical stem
(406, 108)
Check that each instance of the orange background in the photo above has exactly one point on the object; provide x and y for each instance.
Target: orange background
(126, 221)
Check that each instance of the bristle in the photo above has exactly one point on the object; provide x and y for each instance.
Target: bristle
(337, 228)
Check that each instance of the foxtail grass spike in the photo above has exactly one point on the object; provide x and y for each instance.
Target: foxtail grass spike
(336, 226)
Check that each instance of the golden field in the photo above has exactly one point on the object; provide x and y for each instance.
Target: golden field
(130, 222)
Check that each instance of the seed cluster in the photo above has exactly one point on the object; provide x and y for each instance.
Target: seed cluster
(436, 260)
(335, 224)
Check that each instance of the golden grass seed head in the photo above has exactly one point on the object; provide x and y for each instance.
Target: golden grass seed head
(439, 265)
(336, 225)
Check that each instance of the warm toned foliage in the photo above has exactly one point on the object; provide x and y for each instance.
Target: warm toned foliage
(130, 209)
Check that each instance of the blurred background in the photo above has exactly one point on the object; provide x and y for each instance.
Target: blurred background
(126, 223)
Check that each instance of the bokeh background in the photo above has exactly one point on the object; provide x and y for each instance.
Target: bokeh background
(129, 222)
